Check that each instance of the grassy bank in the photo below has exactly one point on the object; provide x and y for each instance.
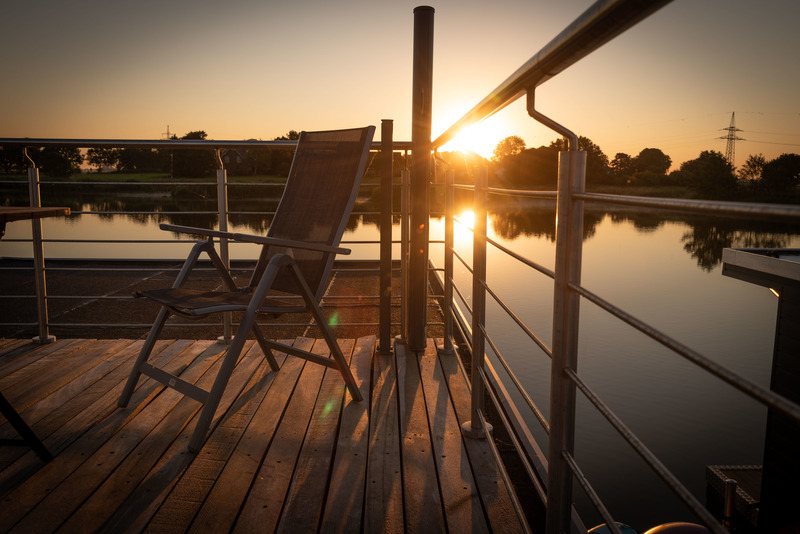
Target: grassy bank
(178, 184)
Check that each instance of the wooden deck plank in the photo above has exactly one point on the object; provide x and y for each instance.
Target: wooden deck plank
(182, 504)
(345, 501)
(66, 391)
(7, 345)
(178, 468)
(87, 408)
(63, 500)
(218, 511)
(262, 507)
(463, 510)
(66, 424)
(46, 416)
(84, 444)
(163, 445)
(32, 358)
(62, 367)
(493, 492)
(422, 497)
(383, 509)
(306, 495)
(17, 353)
(287, 451)
(104, 384)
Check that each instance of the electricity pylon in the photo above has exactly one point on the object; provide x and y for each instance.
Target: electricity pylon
(730, 148)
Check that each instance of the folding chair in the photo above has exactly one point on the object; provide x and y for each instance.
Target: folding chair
(295, 260)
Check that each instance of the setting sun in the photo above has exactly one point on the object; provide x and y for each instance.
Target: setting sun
(467, 218)
(481, 138)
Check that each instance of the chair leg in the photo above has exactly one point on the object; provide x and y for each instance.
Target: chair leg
(336, 352)
(220, 382)
(330, 339)
(265, 349)
(144, 354)
(26, 433)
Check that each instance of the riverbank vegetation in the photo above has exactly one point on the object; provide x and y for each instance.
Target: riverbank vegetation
(513, 166)
(648, 173)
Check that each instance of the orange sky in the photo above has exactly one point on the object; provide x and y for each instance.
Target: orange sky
(253, 69)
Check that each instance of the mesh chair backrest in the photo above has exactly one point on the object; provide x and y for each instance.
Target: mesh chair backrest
(315, 207)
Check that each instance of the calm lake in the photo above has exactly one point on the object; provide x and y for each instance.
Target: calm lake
(662, 267)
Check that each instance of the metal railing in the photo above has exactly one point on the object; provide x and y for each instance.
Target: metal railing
(602, 22)
(220, 187)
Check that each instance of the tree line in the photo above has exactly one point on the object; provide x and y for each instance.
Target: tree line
(514, 166)
(710, 175)
(62, 162)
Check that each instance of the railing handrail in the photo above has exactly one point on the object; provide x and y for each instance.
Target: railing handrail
(599, 24)
(167, 143)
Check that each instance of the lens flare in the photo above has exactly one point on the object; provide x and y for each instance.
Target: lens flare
(333, 321)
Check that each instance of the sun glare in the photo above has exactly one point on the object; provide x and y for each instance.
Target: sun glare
(462, 231)
(467, 218)
(481, 138)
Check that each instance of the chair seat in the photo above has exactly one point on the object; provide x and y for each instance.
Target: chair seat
(195, 303)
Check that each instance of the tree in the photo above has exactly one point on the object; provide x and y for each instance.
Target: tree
(103, 157)
(652, 160)
(531, 168)
(59, 162)
(281, 160)
(782, 174)
(751, 170)
(597, 170)
(509, 146)
(622, 165)
(12, 159)
(259, 159)
(711, 175)
(194, 163)
(143, 160)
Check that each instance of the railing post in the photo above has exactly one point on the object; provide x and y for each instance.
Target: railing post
(474, 428)
(449, 213)
(385, 298)
(569, 242)
(405, 186)
(38, 256)
(421, 108)
(222, 209)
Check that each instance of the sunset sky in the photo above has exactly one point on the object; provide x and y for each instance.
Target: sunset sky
(244, 69)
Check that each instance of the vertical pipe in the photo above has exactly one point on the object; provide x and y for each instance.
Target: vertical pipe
(447, 308)
(222, 209)
(405, 185)
(474, 428)
(38, 257)
(385, 330)
(569, 233)
(421, 108)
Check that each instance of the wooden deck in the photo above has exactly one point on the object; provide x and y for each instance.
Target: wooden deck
(289, 451)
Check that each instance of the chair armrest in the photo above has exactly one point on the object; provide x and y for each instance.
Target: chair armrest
(247, 238)
(196, 231)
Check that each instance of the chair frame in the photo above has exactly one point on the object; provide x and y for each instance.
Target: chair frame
(277, 263)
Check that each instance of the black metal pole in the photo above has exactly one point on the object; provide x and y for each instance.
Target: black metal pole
(385, 330)
(422, 89)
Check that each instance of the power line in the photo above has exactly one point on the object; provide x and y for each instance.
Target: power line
(770, 142)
